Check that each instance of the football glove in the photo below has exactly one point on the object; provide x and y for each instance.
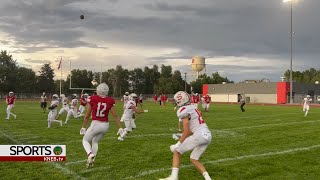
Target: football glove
(175, 146)
(82, 131)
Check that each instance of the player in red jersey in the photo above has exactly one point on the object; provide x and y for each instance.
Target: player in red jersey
(99, 107)
(195, 99)
(10, 105)
(155, 98)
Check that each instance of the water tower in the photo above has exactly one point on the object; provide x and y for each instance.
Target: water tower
(198, 64)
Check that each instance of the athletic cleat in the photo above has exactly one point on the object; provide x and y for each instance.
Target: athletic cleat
(66, 122)
(6, 118)
(90, 160)
(15, 116)
(120, 138)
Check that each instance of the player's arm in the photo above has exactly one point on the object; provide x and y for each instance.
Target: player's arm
(186, 130)
(53, 106)
(115, 117)
(136, 110)
(87, 116)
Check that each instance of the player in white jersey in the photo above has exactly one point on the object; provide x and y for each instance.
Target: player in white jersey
(53, 110)
(73, 109)
(127, 116)
(196, 136)
(125, 100)
(306, 104)
(43, 103)
(65, 106)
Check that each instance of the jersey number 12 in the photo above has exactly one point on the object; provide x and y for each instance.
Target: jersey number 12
(101, 109)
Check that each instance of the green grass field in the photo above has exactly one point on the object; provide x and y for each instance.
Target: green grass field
(265, 142)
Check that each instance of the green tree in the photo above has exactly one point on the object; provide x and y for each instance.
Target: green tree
(26, 80)
(119, 80)
(45, 80)
(137, 80)
(152, 76)
(8, 72)
(215, 78)
(166, 71)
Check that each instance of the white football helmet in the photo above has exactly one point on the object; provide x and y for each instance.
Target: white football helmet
(62, 96)
(11, 93)
(127, 93)
(55, 97)
(181, 98)
(86, 95)
(103, 90)
(74, 96)
(308, 96)
(133, 96)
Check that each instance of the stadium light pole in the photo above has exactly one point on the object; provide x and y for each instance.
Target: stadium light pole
(291, 49)
(185, 82)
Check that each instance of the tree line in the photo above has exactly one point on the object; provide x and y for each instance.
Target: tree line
(147, 80)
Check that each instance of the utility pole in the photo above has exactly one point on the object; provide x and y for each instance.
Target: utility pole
(185, 82)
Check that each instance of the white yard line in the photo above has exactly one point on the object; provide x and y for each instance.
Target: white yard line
(75, 162)
(275, 124)
(268, 154)
(63, 169)
(95, 169)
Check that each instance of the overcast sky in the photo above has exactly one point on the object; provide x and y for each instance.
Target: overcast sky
(241, 39)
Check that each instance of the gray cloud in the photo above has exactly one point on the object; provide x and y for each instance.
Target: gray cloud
(239, 28)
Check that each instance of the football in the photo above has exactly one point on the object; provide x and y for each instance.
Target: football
(81, 16)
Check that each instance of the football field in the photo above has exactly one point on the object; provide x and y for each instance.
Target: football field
(265, 142)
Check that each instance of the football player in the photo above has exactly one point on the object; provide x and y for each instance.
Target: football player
(205, 101)
(53, 110)
(306, 104)
(195, 99)
(10, 105)
(83, 103)
(125, 99)
(196, 136)
(43, 103)
(98, 108)
(128, 113)
(73, 109)
(65, 106)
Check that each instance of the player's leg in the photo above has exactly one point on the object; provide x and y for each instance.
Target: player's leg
(103, 129)
(306, 110)
(133, 124)
(44, 107)
(52, 119)
(204, 139)
(70, 112)
(10, 113)
(62, 110)
(208, 105)
(9, 107)
(187, 145)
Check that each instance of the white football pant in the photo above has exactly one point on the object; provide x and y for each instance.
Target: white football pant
(9, 107)
(82, 109)
(73, 112)
(130, 124)
(52, 118)
(64, 109)
(93, 135)
(198, 143)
